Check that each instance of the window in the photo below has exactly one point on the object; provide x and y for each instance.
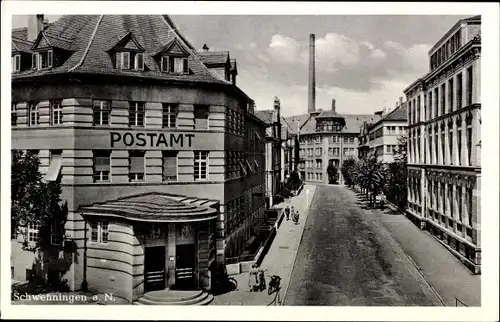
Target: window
(469, 206)
(459, 92)
(442, 101)
(450, 95)
(43, 59)
(174, 65)
(139, 61)
(131, 60)
(459, 142)
(99, 232)
(201, 116)
(169, 165)
(34, 61)
(102, 166)
(136, 166)
(54, 171)
(101, 111)
(459, 200)
(201, 165)
(56, 112)
(319, 151)
(169, 115)
(13, 114)
(56, 234)
(469, 143)
(34, 114)
(16, 63)
(136, 114)
(450, 141)
(33, 232)
(469, 86)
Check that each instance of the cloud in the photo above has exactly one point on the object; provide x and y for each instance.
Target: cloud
(284, 49)
(377, 54)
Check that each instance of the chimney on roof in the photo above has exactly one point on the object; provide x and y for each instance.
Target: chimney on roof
(205, 47)
(401, 100)
(35, 26)
(276, 103)
(333, 106)
(312, 75)
(379, 113)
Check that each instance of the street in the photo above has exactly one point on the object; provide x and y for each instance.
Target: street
(347, 258)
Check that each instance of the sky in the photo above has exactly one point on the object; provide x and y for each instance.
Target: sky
(363, 62)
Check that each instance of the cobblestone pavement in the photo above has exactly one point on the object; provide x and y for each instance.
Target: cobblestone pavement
(348, 258)
(449, 277)
(279, 259)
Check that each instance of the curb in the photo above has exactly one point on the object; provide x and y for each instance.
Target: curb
(419, 270)
(295, 254)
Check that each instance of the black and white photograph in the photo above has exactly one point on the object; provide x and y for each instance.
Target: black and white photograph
(191, 157)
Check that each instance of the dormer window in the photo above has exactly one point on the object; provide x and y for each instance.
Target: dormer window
(16, 63)
(128, 54)
(173, 58)
(174, 65)
(131, 60)
(43, 59)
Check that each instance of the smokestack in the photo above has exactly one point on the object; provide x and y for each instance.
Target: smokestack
(333, 105)
(35, 26)
(312, 75)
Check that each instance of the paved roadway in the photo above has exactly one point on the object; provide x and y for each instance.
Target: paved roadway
(347, 258)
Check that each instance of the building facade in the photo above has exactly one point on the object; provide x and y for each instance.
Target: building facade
(382, 137)
(326, 137)
(158, 155)
(273, 164)
(444, 143)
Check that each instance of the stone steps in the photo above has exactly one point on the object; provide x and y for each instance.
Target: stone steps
(171, 297)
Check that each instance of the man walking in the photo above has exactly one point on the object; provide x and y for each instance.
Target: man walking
(287, 210)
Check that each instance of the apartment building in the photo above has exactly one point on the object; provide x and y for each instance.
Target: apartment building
(327, 137)
(382, 137)
(444, 143)
(159, 153)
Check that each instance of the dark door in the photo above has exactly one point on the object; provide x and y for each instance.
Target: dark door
(154, 268)
(184, 266)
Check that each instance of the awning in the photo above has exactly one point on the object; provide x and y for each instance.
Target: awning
(154, 207)
(54, 168)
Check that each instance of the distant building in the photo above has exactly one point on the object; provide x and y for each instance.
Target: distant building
(327, 137)
(382, 137)
(444, 143)
(273, 138)
(159, 154)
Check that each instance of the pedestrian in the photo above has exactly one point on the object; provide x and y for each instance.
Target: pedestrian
(287, 212)
(296, 218)
(253, 278)
(292, 212)
(382, 201)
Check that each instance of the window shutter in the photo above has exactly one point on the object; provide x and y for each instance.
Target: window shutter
(137, 163)
(34, 61)
(139, 61)
(102, 162)
(125, 60)
(50, 57)
(185, 68)
(170, 164)
(171, 65)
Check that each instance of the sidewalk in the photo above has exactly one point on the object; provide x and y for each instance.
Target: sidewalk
(278, 261)
(444, 272)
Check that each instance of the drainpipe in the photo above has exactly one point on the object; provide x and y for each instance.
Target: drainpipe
(84, 285)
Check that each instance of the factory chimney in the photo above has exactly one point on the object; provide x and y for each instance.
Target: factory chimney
(312, 75)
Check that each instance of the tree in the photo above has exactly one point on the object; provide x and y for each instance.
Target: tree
(332, 172)
(397, 187)
(348, 170)
(371, 176)
(36, 202)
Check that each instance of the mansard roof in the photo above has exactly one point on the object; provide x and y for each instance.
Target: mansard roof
(89, 37)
